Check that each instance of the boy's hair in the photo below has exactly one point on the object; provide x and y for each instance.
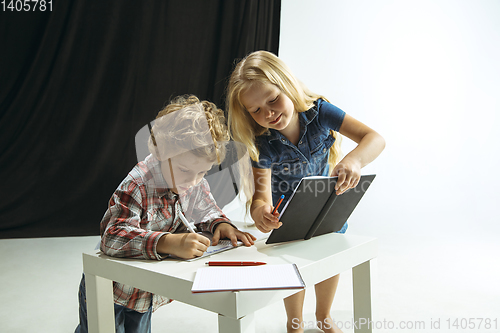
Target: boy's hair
(262, 67)
(188, 124)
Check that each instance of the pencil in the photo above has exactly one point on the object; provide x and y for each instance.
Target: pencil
(235, 263)
(279, 203)
(185, 221)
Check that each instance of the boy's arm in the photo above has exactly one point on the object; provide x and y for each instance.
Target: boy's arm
(121, 231)
(184, 245)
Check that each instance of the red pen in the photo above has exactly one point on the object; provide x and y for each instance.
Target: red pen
(235, 263)
(279, 203)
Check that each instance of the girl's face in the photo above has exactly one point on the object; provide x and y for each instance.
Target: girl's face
(268, 106)
(184, 171)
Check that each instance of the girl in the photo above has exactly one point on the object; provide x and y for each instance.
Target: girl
(290, 133)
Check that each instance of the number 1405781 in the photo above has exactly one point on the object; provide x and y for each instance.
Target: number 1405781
(26, 5)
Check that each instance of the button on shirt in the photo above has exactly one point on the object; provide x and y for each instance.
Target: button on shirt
(290, 163)
(143, 209)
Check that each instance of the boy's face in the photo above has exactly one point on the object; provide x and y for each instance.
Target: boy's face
(184, 171)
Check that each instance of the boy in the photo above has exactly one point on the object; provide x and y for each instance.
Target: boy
(143, 216)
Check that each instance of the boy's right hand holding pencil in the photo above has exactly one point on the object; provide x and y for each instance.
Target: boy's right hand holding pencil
(184, 245)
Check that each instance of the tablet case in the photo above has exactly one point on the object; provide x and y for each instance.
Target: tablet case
(314, 209)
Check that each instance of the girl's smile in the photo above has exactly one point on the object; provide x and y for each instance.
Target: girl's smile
(275, 121)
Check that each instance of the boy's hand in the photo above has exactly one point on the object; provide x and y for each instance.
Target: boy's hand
(185, 245)
(225, 230)
(349, 173)
(264, 220)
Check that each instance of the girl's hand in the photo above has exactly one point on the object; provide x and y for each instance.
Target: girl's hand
(264, 220)
(185, 245)
(225, 230)
(349, 172)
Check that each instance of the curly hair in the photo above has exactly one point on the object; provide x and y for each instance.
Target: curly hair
(188, 124)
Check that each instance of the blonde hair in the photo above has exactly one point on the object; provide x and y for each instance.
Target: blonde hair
(200, 129)
(263, 67)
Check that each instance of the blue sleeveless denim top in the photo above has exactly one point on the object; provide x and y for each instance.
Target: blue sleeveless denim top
(289, 163)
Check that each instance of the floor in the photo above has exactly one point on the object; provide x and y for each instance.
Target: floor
(421, 284)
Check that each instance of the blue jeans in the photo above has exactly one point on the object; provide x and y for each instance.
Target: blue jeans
(126, 320)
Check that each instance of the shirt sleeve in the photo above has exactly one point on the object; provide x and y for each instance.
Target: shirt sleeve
(330, 116)
(121, 232)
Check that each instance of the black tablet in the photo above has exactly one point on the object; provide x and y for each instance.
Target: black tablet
(314, 209)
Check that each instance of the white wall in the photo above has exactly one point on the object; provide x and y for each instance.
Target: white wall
(426, 75)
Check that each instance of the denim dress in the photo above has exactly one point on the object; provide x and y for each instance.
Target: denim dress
(290, 163)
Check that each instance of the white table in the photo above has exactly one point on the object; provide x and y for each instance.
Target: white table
(317, 259)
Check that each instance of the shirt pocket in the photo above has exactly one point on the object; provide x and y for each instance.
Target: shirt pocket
(319, 154)
(320, 144)
(159, 219)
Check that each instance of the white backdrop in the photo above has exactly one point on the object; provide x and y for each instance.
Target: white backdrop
(426, 75)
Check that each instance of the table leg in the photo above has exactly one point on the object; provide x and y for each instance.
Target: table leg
(244, 324)
(100, 308)
(362, 298)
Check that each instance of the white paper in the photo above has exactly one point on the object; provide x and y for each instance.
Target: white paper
(229, 278)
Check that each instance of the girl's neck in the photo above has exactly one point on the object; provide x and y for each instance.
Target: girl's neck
(292, 131)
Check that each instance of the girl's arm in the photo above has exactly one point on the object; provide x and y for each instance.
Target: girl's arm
(262, 202)
(370, 145)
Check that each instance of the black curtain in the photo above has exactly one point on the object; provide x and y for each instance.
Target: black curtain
(78, 82)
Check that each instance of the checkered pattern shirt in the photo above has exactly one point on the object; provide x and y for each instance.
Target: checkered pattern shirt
(141, 210)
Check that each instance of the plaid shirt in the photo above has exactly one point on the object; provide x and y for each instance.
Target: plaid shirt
(141, 210)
